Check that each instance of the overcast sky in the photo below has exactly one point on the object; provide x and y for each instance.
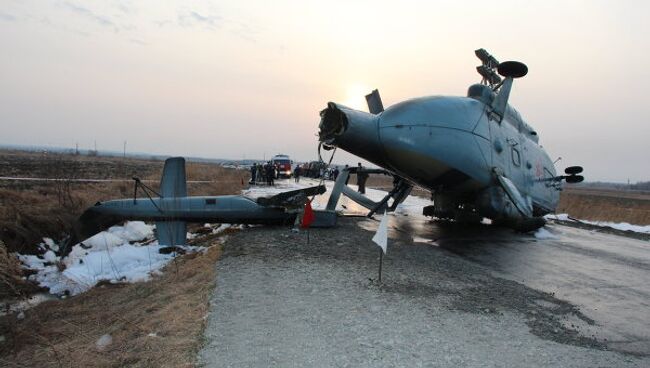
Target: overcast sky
(246, 79)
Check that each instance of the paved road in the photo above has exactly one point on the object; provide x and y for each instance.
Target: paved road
(606, 276)
(451, 297)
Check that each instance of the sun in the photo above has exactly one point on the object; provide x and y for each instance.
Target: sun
(355, 96)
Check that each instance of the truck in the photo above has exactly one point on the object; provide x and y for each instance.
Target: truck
(283, 164)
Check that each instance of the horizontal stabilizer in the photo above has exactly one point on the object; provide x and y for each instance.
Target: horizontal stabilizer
(171, 232)
(173, 183)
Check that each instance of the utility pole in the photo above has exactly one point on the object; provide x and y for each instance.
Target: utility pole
(124, 160)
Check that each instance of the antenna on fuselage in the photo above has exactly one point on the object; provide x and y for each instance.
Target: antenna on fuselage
(488, 69)
(508, 70)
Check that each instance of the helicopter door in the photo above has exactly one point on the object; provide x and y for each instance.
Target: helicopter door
(500, 148)
(517, 162)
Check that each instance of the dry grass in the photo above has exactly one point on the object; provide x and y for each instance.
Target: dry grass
(11, 282)
(32, 210)
(606, 205)
(64, 333)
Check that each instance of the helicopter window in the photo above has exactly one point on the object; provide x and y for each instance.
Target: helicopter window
(516, 158)
(210, 201)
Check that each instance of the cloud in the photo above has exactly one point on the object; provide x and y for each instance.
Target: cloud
(7, 17)
(211, 20)
(244, 31)
(62, 27)
(97, 18)
(194, 18)
(122, 6)
(138, 42)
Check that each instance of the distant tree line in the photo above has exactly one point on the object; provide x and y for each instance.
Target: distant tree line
(642, 185)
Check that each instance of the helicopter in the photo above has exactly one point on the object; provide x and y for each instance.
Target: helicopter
(476, 155)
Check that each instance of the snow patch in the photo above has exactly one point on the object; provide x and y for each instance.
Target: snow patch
(543, 233)
(622, 226)
(221, 228)
(49, 256)
(103, 342)
(132, 231)
(107, 256)
(558, 217)
(50, 244)
(412, 206)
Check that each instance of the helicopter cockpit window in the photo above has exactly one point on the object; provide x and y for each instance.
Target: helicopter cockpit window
(516, 158)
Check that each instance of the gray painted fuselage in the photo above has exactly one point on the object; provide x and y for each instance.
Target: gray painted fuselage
(451, 146)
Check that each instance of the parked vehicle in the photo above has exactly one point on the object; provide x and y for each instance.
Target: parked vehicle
(283, 164)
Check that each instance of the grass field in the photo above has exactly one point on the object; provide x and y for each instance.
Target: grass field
(31, 210)
(156, 324)
(606, 205)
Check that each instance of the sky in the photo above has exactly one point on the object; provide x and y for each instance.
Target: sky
(247, 79)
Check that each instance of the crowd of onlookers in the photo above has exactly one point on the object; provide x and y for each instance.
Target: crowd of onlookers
(268, 172)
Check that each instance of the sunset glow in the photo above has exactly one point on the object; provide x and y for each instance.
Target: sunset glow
(355, 96)
(217, 72)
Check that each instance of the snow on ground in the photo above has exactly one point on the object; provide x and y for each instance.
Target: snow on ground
(623, 226)
(7, 307)
(543, 233)
(128, 253)
(107, 256)
(412, 206)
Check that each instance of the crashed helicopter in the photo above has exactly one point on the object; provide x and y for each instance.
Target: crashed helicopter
(475, 154)
(172, 208)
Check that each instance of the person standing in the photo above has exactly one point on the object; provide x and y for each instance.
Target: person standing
(253, 173)
(296, 173)
(270, 174)
(361, 179)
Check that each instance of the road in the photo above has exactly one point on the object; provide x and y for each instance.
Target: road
(452, 296)
(606, 276)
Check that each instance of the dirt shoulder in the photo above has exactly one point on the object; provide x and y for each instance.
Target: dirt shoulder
(152, 324)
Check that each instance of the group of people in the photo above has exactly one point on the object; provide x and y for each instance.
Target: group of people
(328, 174)
(269, 171)
(264, 173)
